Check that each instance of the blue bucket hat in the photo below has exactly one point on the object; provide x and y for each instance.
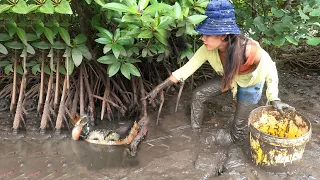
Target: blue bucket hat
(221, 19)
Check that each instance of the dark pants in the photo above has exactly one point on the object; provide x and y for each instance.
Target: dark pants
(247, 98)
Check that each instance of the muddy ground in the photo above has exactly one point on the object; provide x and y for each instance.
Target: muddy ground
(170, 151)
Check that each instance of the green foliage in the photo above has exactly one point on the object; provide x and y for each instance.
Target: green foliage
(279, 22)
(122, 34)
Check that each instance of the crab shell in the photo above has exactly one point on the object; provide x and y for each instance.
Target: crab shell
(76, 131)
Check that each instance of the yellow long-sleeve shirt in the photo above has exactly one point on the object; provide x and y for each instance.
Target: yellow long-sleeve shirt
(266, 71)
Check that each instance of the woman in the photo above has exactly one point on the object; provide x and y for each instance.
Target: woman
(243, 67)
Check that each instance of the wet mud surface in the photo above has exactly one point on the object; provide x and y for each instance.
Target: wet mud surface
(172, 150)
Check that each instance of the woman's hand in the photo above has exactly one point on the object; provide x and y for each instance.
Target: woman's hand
(281, 106)
(166, 83)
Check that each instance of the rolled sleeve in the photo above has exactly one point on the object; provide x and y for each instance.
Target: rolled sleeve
(272, 83)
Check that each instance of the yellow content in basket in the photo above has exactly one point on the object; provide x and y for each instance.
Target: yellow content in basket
(272, 123)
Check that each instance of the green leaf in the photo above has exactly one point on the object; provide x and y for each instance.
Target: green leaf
(105, 33)
(62, 70)
(177, 10)
(70, 66)
(63, 7)
(103, 41)
(278, 13)
(118, 49)
(77, 56)
(114, 68)
(258, 21)
(14, 45)
(59, 45)
(30, 49)
(195, 19)
(144, 52)
(4, 63)
(35, 69)
(32, 7)
(49, 35)
(133, 60)
(125, 40)
(190, 30)
(100, 2)
(117, 7)
(145, 34)
(41, 45)
(47, 8)
(47, 69)
(143, 4)
(65, 35)
(22, 35)
(161, 35)
(292, 40)
(315, 12)
(5, 37)
(32, 37)
(80, 38)
(125, 70)
(108, 59)
(85, 51)
(3, 49)
(165, 21)
(156, 7)
(20, 8)
(89, 1)
(180, 31)
(302, 14)
(279, 41)
(4, 7)
(8, 69)
(107, 48)
(116, 34)
(133, 70)
(314, 41)
(129, 18)
(19, 70)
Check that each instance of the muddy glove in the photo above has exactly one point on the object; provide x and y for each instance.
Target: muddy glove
(157, 89)
(280, 106)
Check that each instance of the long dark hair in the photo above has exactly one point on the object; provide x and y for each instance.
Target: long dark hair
(233, 60)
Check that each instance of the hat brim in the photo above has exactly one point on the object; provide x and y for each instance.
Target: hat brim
(207, 27)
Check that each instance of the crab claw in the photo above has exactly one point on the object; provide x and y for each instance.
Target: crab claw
(77, 129)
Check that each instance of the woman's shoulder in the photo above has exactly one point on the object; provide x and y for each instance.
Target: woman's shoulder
(253, 51)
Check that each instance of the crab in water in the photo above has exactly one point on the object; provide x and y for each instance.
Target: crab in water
(102, 136)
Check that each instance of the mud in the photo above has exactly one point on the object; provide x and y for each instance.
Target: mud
(172, 150)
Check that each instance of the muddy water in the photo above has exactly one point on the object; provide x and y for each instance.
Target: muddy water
(172, 150)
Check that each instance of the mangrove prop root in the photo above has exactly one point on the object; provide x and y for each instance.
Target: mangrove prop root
(161, 105)
(91, 101)
(82, 113)
(19, 111)
(143, 130)
(61, 106)
(40, 102)
(143, 94)
(56, 92)
(46, 110)
(179, 96)
(14, 87)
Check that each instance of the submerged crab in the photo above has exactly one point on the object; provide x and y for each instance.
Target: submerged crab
(105, 137)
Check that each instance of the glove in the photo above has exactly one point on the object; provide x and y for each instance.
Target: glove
(157, 89)
(280, 106)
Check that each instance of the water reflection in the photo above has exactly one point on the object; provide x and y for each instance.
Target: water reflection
(96, 157)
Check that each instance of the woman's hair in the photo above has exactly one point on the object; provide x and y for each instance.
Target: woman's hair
(233, 60)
